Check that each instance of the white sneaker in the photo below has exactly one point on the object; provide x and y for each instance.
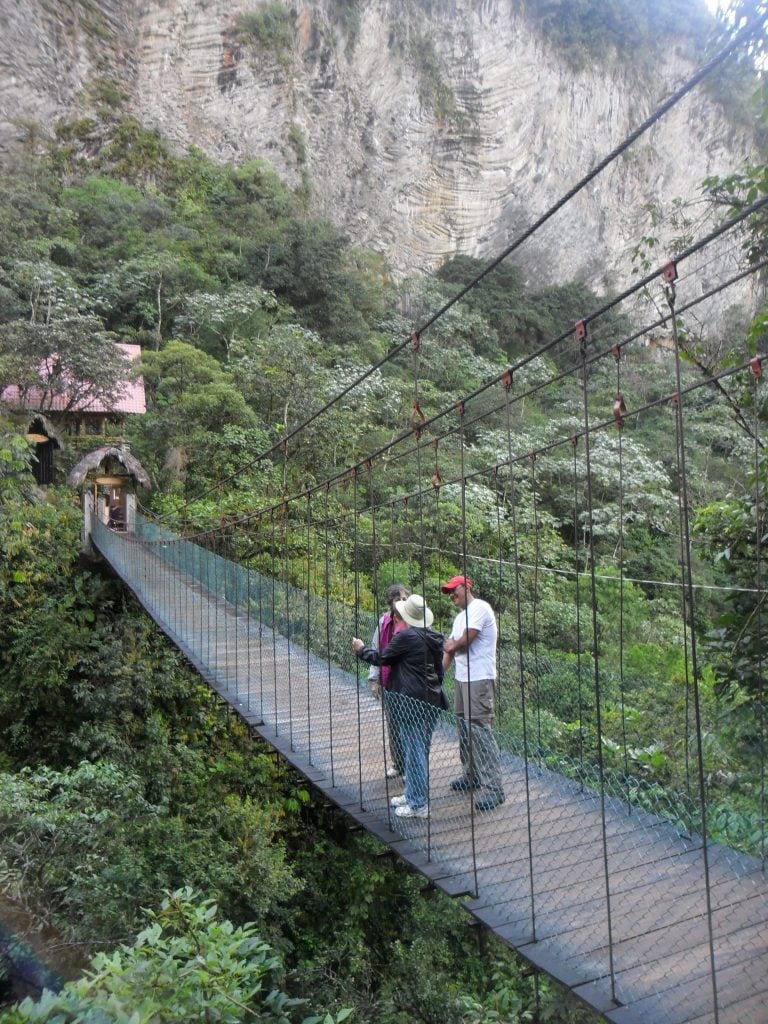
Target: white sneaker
(393, 773)
(406, 811)
(399, 801)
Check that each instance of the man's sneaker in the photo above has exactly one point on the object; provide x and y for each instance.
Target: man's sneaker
(399, 801)
(393, 773)
(406, 811)
(488, 803)
(463, 785)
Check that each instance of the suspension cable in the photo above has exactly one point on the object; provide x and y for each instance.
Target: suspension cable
(287, 592)
(499, 501)
(590, 548)
(416, 417)
(521, 661)
(577, 572)
(356, 629)
(467, 711)
(686, 558)
(740, 37)
(756, 377)
(377, 619)
(713, 379)
(535, 670)
(326, 546)
(619, 411)
(308, 631)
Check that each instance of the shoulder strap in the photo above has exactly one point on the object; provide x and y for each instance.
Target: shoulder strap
(437, 661)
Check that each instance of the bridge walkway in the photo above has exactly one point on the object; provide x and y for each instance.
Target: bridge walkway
(609, 900)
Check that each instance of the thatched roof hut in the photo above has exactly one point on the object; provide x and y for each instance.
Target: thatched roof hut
(41, 430)
(100, 458)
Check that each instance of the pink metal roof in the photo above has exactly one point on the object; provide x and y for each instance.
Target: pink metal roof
(132, 398)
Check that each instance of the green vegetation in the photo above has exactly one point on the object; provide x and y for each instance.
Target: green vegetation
(186, 964)
(126, 787)
(269, 29)
(588, 30)
(298, 143)
(123, 778)
(434, 90)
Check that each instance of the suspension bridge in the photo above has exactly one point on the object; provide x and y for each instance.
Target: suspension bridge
(637, 914)
(607, 882)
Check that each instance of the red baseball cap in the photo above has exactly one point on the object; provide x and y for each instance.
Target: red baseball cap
(456, 581)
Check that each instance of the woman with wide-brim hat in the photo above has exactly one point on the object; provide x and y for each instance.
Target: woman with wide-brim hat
(415, 657)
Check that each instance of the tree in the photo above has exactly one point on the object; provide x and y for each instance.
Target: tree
(187, 964)
(501, 298)
(732, 534)
(189, 394)
(63, 364)
(112, 221)
(61, 357)
(309, 267)
(144, 292)
(15, 458)
(215, 321)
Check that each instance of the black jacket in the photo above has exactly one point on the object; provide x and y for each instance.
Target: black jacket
(415, 656)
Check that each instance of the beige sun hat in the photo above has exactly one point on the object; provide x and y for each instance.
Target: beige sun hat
(414, 611)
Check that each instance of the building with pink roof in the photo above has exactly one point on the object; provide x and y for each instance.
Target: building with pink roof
(131, 398)
(82, 417)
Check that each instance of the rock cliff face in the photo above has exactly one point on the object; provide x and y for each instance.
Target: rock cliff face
(423, 136)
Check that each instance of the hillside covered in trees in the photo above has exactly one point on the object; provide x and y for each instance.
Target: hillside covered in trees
(140, 822)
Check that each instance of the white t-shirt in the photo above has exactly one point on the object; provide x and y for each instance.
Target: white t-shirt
(482, 651)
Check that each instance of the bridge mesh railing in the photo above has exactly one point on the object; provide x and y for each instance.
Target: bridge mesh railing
(324, 627)
(566, 834)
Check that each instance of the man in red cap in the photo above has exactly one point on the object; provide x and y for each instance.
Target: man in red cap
(472, 648)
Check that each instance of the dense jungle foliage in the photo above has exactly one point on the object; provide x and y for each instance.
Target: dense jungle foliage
(139, 820)
(125, 783)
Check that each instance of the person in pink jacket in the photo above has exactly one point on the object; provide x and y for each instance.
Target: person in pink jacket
(378, 675)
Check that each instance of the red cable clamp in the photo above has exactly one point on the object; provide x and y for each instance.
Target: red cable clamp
(619, 410)
(416, 418)
(415, 341)
(506, 379)
(616, 353)
(532, 456)
(460, 407)
(437, 480)
(581, 330)
(574, 439)
(669, 272)
(756, 366)
(676, 398)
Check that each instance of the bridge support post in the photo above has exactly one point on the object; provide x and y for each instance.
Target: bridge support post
(88, 513)
(130, 512)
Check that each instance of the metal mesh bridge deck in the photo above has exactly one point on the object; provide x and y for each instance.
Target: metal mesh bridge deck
(643, 922)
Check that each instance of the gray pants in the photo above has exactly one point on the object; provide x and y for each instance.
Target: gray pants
(479, 752)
